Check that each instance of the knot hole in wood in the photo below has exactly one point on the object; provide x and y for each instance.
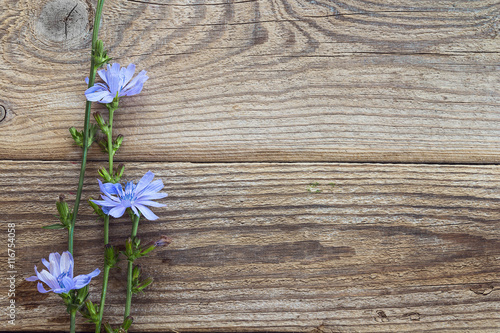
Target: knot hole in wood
(63, 20)
(3, 113)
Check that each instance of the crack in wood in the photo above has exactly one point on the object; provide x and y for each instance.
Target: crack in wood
(66, 21)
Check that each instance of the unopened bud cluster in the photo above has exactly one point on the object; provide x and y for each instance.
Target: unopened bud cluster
(78, 136)
(139, 285)
(110, 255)
(99, 54)
(113, 177)
(64, 214)
(134, 250)
(75, 299)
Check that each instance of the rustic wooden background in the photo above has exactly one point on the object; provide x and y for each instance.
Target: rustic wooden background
(390, 107)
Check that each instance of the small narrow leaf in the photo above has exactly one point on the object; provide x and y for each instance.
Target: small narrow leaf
(54, 226)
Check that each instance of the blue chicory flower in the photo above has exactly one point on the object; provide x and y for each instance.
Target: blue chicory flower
(60, 275)
(117, 83)
(116, 199)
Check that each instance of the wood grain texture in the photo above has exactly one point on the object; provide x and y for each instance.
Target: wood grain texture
(388, 248)
(261, 80)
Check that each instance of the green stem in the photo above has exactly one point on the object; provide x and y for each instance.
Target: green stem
(105, 276)
(110, 142)
(128, 301)
(72, 321)
(103, 298)
(130, 267)
(135, 226)
(106, 230)
(88, 106)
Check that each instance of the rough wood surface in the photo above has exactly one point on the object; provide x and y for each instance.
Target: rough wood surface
(388, 248)
(257, 246)
(261, 80)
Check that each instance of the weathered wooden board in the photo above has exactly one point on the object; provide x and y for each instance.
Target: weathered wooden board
(388, 248)
(261, 80)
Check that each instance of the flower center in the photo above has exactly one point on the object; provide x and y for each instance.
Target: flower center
(128, 195)
(61, 277)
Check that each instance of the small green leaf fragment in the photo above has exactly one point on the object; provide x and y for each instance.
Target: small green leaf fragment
(54, 226)
(313, 188)
(97, 209)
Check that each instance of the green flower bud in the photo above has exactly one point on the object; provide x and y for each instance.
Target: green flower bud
(103, 144)
(132, 249)
(128, 247)
(92, 134)
(119, 173)
(113, 106)
(90, 312)
(136, 242)
(117, 143)
(136, 272)
(100, 122)
(127, 322)
(99, 54)
(140, 287)
(91, 308)
(77, 136)
(105, 175)
(64, 214)
(75, 299)
(111, 255)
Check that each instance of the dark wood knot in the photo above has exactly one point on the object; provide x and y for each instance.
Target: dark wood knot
(3, 113)
(63, 20)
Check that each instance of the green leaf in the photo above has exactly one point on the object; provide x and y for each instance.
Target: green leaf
(54, 226)
(97, 209)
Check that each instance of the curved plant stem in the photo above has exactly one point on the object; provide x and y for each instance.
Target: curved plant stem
(88, 106)
(130, 268)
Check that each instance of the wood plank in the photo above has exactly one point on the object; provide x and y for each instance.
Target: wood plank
(260, 80)
(389, 248)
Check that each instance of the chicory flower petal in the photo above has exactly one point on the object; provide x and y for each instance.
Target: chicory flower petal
(135, 197)
(59, 278)
(118, 82)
